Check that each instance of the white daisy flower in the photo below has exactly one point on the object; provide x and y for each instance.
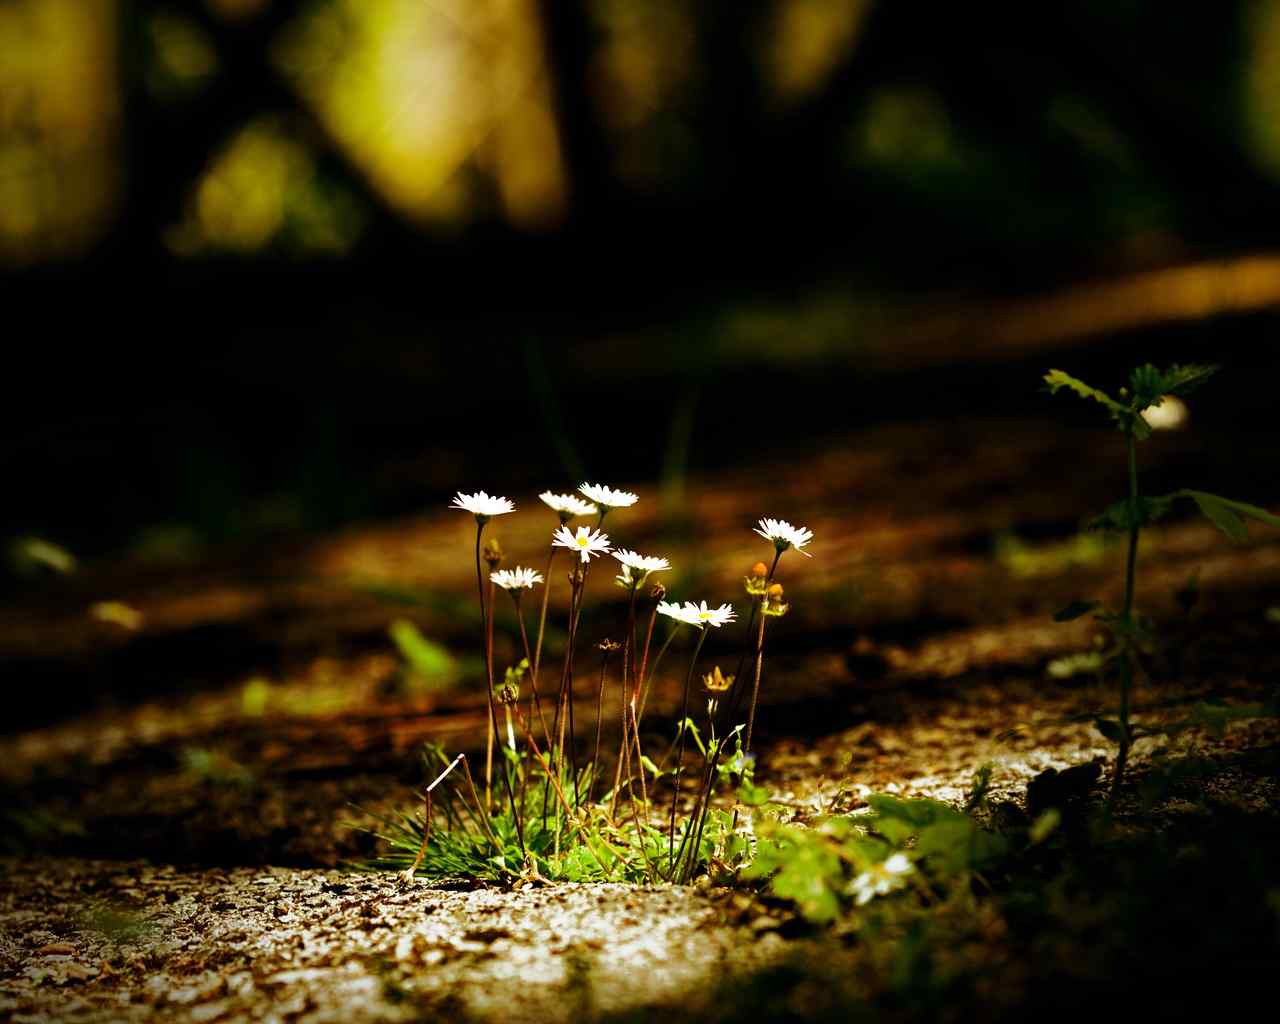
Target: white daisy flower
(881, 879)
(518, 578)
(568, 505)
(607, 496)
(783, 535)
(481, 505)
(679, 612)
(641, 563)
(585, 541)
(698, 615)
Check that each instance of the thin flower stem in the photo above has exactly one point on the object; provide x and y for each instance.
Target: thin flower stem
(703, 804)
(534, 701)
(536, 663)
(1126, 617)
(564, 803)
(684, 732)
(486, 612)
(755, 686)
(488, 660)
(648, 681)
(628, 663)
(648, 640)
(595, 761)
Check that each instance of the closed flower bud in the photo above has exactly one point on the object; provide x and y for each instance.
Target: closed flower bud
(773, 603)
(757, 581)
(493, 552)
(716, 682)
(658, 592)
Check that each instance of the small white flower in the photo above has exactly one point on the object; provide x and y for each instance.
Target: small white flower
(481, 505)
(784, 535)
(881, 879)
(568, 505)
(641, 563)
(698, 615)
(585, 541)
(518, 578)
(678, 612)
(607, 496)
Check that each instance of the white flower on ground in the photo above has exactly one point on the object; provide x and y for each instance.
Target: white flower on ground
(697, 615)
(585, 541)
(568, 505)
(482, 505)
(881, 879)
(783, 535)
(518, 578)
(607, 496)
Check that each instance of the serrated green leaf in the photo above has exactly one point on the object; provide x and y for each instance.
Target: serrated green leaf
(1227, 514)
(1075, 610)
(1059, 379)
(1150, 384)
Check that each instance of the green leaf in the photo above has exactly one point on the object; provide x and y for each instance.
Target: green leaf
(1109, 728)
(753, 796)
(430, 659)
(1045, 825)
(1059, 379)
(1150, 384)
(1119, 516)
(1229, 515)
(1075, 610)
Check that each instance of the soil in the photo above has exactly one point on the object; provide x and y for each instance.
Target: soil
(180, 788)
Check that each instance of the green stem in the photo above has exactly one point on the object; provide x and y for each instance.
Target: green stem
(684, 732)
(1126, 615)
(486, 613)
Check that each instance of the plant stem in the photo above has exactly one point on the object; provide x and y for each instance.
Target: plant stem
(1126, 616)
(536, 663)
(535, 701)
(487, 614)
(755, 686)
(595, 761)
(684, 733)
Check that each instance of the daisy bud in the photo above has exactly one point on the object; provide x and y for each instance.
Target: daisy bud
(658, 592)
(507, 694)
(758, 580)
(493, 552)
(716, 682)
(773, 603)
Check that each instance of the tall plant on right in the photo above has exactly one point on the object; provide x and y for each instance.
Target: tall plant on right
(1148, 387)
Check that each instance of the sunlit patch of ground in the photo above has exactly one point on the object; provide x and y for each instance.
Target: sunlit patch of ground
(102, 941)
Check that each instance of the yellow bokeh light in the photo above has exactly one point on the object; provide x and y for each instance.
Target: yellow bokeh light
(442, 103)
(58, 126)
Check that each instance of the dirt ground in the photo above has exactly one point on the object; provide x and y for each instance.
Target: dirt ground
(181, 789)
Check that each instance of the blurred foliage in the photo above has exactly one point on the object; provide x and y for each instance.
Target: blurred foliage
(59, 112)
(445, 105)
(264, 190)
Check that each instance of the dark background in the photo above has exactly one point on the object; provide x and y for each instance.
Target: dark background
(752, 229)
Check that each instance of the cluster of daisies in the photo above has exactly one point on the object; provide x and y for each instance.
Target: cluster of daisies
(589, 542)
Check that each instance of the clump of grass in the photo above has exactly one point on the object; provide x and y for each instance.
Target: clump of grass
(553, 815)
(1134, 414)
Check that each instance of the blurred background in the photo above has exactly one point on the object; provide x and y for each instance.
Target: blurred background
(275, 266)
